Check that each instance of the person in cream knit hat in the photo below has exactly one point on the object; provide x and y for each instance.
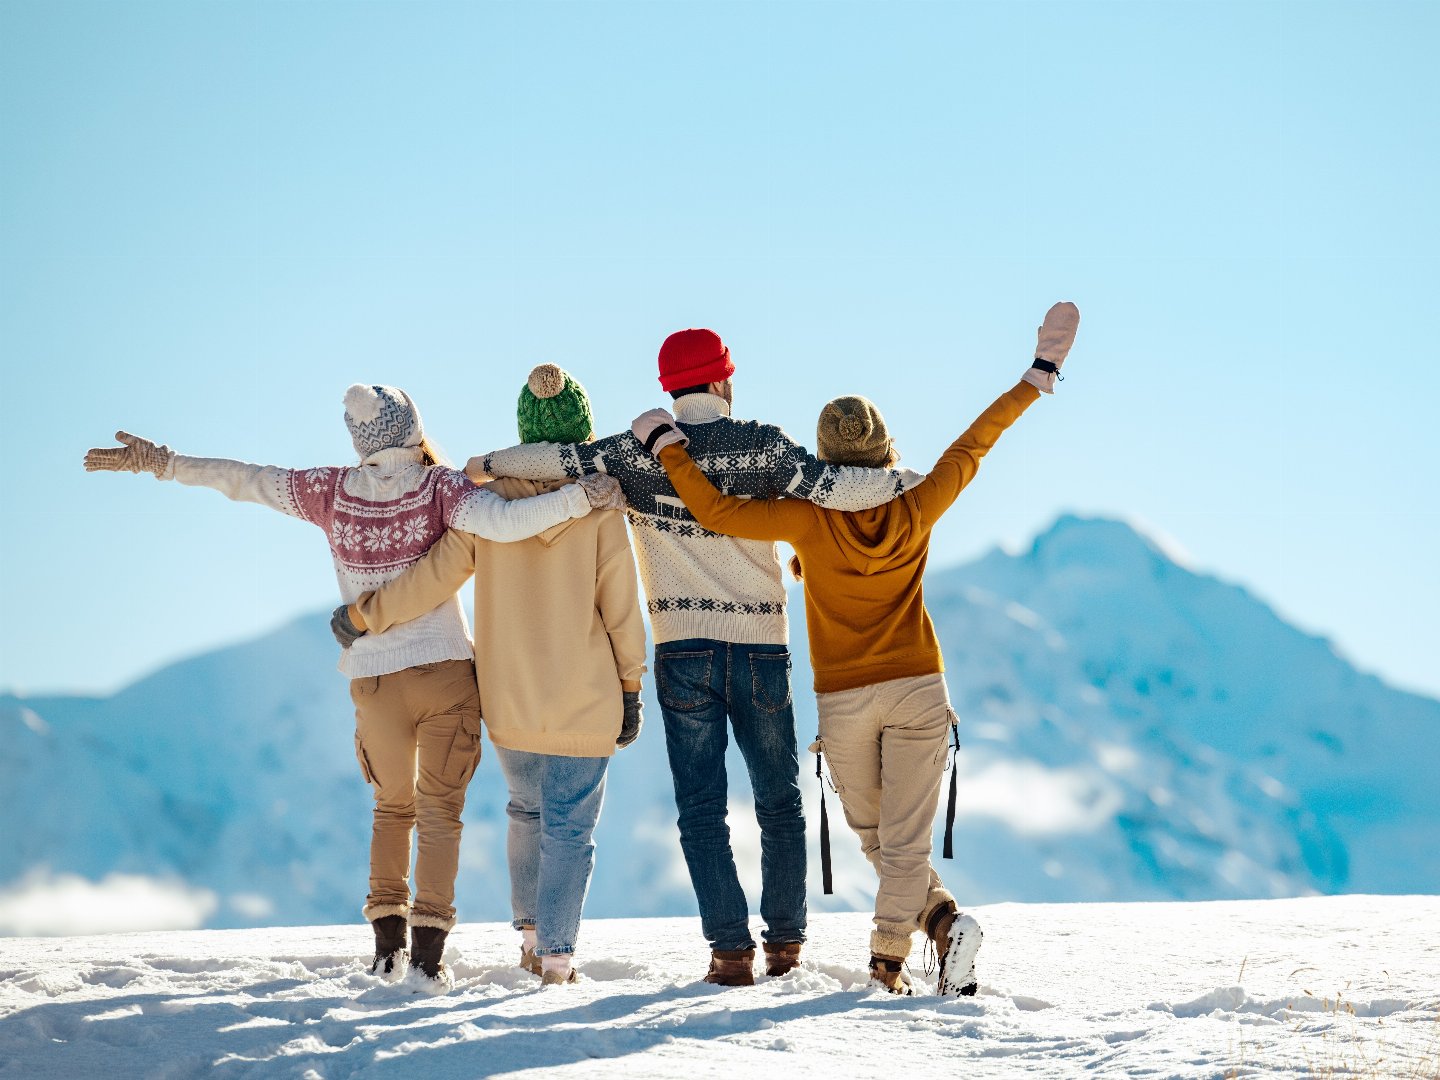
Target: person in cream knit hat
(417, 716)
(559, 650)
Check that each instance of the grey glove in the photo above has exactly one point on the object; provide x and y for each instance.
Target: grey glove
(630, 727)
(603, 491)
(134, 455)
(345, 631)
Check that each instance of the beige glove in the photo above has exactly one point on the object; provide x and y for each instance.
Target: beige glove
(603, 491)
(1056, 335)
(136, 455)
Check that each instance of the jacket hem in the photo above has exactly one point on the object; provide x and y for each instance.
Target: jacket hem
(586, 746)
(854, 676)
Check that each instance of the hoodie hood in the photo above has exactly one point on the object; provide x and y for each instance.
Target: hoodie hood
(510, 488)
(876, 540)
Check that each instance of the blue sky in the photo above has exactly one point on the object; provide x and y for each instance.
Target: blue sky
(215, 216)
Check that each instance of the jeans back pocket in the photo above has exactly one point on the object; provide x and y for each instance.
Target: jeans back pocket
(770, 681)
(683, 679)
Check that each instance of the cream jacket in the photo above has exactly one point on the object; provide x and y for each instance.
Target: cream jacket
(557, 625)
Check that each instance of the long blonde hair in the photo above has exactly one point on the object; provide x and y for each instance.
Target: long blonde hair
(431, 454)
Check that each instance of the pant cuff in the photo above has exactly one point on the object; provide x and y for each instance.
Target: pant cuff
(379, 911)
(938, 897)
(559, 950)
(523, 924)
(439, 922)
(892, 944)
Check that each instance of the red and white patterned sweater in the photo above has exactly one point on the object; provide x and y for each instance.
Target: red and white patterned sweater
(380, 517)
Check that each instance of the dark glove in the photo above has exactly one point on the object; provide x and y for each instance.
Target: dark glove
(345, 631)
(630, 727)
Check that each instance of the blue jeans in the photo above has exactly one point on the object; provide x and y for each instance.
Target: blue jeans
(701, 682)
(554, 804)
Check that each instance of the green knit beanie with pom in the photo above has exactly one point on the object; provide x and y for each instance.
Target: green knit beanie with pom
(554, 408)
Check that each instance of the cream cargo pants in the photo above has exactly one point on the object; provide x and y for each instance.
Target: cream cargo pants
(417, 738)
(885, 745)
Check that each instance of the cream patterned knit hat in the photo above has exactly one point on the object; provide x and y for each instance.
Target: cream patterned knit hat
(381, 417)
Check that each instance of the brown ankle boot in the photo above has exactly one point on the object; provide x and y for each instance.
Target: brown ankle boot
(956, 939)
(889, 974)
(781, 958)
(529, 961)
(731, 967)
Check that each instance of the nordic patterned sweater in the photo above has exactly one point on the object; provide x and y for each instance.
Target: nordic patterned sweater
(700, 584)
(380, 518)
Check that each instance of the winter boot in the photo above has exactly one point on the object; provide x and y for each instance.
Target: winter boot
(528, 960)
(389, 944)
(731, 967)
(559, 971)
(889, 974)
(781, 958)
(427, 948)
(956, 939)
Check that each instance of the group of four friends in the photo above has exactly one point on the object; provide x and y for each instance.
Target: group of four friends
(558, 649)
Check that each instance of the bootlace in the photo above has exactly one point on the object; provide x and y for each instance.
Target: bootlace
(931, 956)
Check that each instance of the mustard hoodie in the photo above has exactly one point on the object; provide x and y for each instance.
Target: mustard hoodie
(557, 625)
(864, 603)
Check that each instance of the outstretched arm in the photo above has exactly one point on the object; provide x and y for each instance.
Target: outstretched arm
(420, 589)
(267, 485)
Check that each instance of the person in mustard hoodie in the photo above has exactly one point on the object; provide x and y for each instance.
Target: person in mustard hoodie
(884, 709)
(559, 651)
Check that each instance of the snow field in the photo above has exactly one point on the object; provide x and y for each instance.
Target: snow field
(1317, 986)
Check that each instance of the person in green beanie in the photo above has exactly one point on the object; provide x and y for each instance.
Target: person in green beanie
(559, 651)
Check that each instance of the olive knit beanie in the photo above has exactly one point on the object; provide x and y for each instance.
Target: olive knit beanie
(852, 432)
(553, 407)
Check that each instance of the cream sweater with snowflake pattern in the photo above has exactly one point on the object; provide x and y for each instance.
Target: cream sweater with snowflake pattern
(380, 517)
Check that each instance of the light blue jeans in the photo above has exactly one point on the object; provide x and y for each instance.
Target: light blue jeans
(554, 804)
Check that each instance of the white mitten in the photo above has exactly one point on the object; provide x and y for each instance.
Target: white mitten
(1056, 335)
(135, 455)
(656, 430)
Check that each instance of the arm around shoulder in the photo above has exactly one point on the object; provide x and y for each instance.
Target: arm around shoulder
(422, 588)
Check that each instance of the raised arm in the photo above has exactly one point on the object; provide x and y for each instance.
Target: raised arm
(797, 473)
(422, 588)
(959, 464)
(268, 485)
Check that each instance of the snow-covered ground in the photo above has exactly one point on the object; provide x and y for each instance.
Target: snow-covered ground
(1315, 986)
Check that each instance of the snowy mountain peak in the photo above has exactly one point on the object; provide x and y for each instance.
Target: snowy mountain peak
(1100, 541)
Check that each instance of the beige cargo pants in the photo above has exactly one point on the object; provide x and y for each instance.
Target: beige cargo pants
(417, 737)
(885, 746)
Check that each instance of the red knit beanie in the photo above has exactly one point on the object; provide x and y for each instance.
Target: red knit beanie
(693, 358)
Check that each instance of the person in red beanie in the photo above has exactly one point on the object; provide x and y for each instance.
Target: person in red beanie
(722, 659)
